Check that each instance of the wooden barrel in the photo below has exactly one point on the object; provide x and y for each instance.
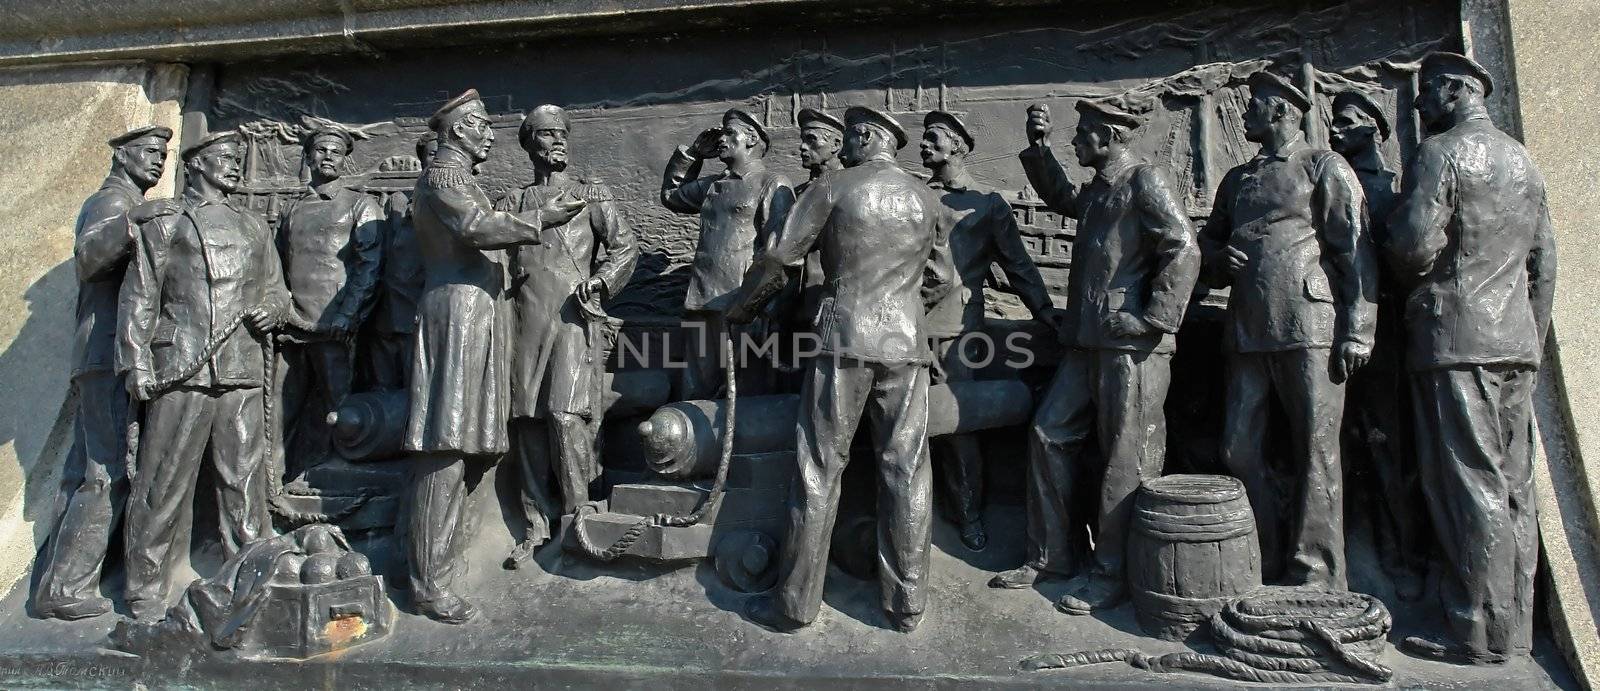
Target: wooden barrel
(1193, 548)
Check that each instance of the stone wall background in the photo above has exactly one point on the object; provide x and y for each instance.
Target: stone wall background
(633, 99)
(1555, 62)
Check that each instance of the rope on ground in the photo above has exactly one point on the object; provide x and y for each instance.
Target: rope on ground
(626, 540)
(1274, 636)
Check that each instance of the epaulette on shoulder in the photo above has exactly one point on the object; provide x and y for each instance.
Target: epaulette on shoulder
(446, 177)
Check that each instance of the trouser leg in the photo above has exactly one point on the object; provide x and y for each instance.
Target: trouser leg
(1475, 445)
(1061, 426)
(831, 403)
(1244, 429)
(438, 496)
(1314, 406)
(1130, 391)
(702, 362)
(1377, 400)
(958, 456)
(572, 445)
(92, 506)
(898, 406)
(176, 428)
(531, 445)
(238, 452)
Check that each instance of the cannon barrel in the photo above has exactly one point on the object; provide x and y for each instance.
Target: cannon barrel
(370, 426)
(683, 440)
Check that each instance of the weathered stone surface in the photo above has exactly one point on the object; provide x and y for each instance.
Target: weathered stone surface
(215, 29)
(56, 122)
(1556, 60)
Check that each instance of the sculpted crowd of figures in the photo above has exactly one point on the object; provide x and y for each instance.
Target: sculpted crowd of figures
(1413, 314)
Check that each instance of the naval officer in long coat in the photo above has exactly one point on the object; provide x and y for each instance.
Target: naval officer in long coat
(558, 351)
(460, 383)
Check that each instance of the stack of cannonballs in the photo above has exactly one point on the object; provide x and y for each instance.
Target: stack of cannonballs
(325, 561)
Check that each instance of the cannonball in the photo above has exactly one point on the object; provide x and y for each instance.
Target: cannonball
(353, 564)
(287, 568)
(319, 539)
(319, 568)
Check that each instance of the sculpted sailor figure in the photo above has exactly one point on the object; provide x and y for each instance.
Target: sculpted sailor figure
(330, 241)
(821, 138)
(94, 484)
(1472, 236)
(1134, 265)
(738, 208)
(1378, 415)
(460, 378)
(202, 295)
(983, 232)
(1287, 231)
(559, 349)
(877, 228)
(400, 280)
(795, 308)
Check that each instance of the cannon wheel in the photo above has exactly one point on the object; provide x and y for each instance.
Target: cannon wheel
(747, 561)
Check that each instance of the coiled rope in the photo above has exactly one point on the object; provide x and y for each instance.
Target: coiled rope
(626, 540)
(1274, 636)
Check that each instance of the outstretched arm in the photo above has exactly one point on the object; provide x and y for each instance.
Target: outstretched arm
(466, 212)
(1014, 260)
(785, 253)
(1049, 180)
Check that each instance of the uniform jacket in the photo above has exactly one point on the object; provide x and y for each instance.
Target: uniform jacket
(737, 214)
(1311, 277)
(1472, 235)
(551, 352)
(192, 273)
(103, 243)
(1135, 251)
(330, 241)
(401, 276)
(878, 230)
(982, 231)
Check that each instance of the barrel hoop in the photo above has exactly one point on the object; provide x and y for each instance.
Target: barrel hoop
(1197, 534)
(1177, 608)
(1196, 520)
